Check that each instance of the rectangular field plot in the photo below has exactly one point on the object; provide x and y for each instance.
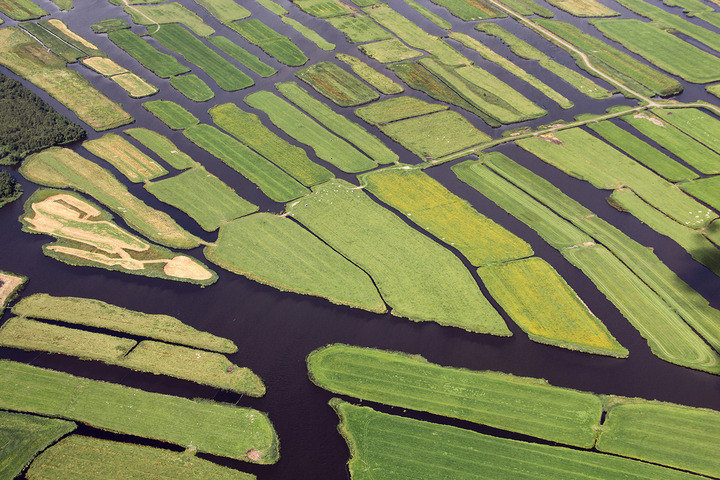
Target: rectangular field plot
(309, 33)
(161, 64)
(699, 125)
(271, 42)
(192, 87)
(391, 50)
(359, 29)
(130, 161)
(171, 114)
(224, 10)
(243, 56)
(336, 84)
(323, 8)
(104, 66)
(53, 43)
(135, 86)
(705, 189)
(162, 147)
(517, 404)
(399, 108)
(378, 80)
(203, 196)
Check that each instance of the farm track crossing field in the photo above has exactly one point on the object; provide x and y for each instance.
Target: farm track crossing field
(176, 38)
(168, 14)
(518, 404)
(394, 447)
(224, 10)
(278, 252)
(63, 168)
(243, 56)
(273, 182)
(162, 147)
(338, 124)
(584, 8)
(75, 457)
(171, 114)
(135, 86)
(94, 313)
(390, 50)
(53, 43)
(417, 277)
(24, 436)
(453, 220)
(192, 87)
(336, 84)
(161, 64)
(359, 29)
(309, 33)
(378, 80)
(21, 9)
(203, 196)
(705, 189)
(218, 429)
(398, 108)
(130, 161)
(248, 128)
(271, 42)
(304, 129)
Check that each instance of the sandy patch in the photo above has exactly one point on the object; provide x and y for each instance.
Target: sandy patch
(182, 266)
(8, 284)
(64, 29)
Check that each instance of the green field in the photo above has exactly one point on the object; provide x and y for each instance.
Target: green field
(336, 84)
(217, 429)
(109, 25)
(438, 211)
(338, 124)
(359, 29)
(417, 277)
(528, 7)
(705, 189)
(470, 10)
(430, 15)
(304, 129)
(24, 436)
(63, 168)
(159, 16)
(97, 314)
(162, 147)
(76, 457)
(248, 128)
(176, 38)
(378, 80)
(392, 447)
(133, 85)
(21, 9)
(243, 56)
(274, 7)
(171, 114)
(121, 154)
(203, 196)
(584, 8)
(323, 8)
(650, 42)
(161, 64)
(53, 43)
(271, 42)
(224, 10)
(278, 252)
(62, 31)
(398, 108)
(699, 125)
(309, 33)
(518, 404)
(391, 50)
(273, 182)
(192, 87)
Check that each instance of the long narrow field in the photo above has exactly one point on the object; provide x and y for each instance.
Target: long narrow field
(53, 43)
(695, 122)
(161, 64)
(305, 130)
(171, 114)
(379, 81)
(162, 147)
(193, 87)
(470, 10)
(130, 161)
(309, 33)
(417, 277)
(134, 86)
(517, 404)
(705, 189)
(271, 42)
(243, 56)
(224, 10)
(584, 8)
(398, 108)
(203, 196)
(333, 82)
(22, 9)
(61, 30)
(158, 17)
(102, 65)
(276, 251)
(274, 182)
(387, 51)
(359, 29)
(219, 429)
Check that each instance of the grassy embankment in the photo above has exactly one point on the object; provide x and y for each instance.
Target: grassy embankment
(192, 87)
(121, 154)
(381, 82)
(336, 84)
(162, 147)
(271, 42)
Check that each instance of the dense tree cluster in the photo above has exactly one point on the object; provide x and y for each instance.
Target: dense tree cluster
(28, 124)
(10, 190)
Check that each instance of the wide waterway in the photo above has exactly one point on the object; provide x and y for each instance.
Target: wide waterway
(275, 331)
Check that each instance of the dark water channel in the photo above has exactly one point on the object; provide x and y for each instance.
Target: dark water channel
(276, 330)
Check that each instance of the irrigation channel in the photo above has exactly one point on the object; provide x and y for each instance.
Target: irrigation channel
(275, 331)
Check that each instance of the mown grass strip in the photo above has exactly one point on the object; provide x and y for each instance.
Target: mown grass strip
(338, 124)
(397, 447)
(359, 29)
(94, 313)
(224, 10)
(203, 196)
(323, 8)
(424, 283)
(53, 43)
(159, 16)
(399, 108)
(705, 189)
(305, 130)
(528, 7)
(429, 14)
(584, 8)
(161, 64)
(243, 56)
(274, 182)
(518, 404)
(539, 300)
(192, 87)
(63, 168)
(135, 86)
(62, 31)
(24, 436)
(271, 42)
(390, 50)
(76, 456)
(309, 33)
(176, 38)
(453, 220)
(276, 251)
(121, 154)
(381, 82)
(470, 10)
(274, 7)
(22, 9)
(217, 429)
(337, 85)
(699, 125)
(171, 114)
(104, 66)
(162, 147)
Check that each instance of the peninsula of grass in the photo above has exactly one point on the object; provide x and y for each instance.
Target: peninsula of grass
(470, 10)
(97, 314)
(21, 9)
(438, 211)
(273, 181)
(176, 38)
(650, 42)
(359, 29)
(699, 125)
(10, 285)
(584, 8)
(323, 8)
(218, 429)
(162, 147)
(336, 84)
(24, 436)
(411, 271)
(161, 64)
(157, 17)
(63, 168)
(224, 10)
(248, 128)
(203, 196)
(390, 50)
(524, 405)
(192, 87)
(171, 114)
(399, 108)
(53, 43)
(378, 80)
(309, 33)
(271, 42)
(74, 456)
(304, 129)
(276, 251)
(121, 154)
(705, 189)
(134, 86)
(28, 58)
(243, 56)
(109, 25)
(338, 124)
(62, 31)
